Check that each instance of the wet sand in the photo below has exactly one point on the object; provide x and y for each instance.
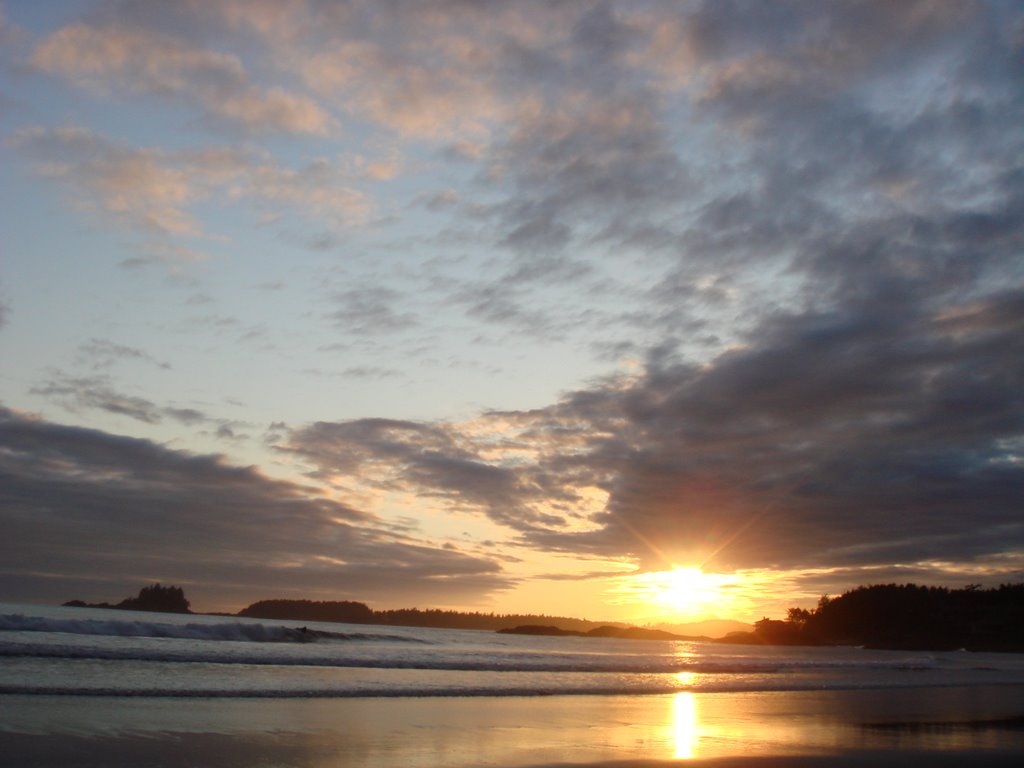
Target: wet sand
(218, 751)
(938, 727)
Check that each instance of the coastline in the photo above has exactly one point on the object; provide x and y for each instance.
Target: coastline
(216, 751)
(946, 726)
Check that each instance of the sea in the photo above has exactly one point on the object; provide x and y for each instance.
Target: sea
(83, 673)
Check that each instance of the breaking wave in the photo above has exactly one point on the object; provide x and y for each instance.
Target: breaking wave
(236, 631)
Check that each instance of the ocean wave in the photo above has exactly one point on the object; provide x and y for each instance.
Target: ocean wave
(543, 687)
(412, 659)
(235, 631)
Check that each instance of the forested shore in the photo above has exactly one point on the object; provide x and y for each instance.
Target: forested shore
(351, 612)
(905, 617)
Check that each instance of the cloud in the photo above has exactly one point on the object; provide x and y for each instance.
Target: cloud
(320, 188)
(439, 201)
(151, 189)
(135, 187)
(10, 34)
(587, 169)
(97, 393)
(78, 394)
(355, 372)
(424, 73)
(827, 440)
(370, 310)
(801, 221)
(103, 353)
(79, 503)
(117, 59)
(433, 460)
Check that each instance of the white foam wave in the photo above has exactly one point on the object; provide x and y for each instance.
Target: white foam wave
(541, 686)
(411, 658)
(236, 631)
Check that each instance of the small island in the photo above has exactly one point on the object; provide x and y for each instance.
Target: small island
(156, 598)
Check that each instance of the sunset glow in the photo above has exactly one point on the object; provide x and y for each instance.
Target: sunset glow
(447, 383)
(684, 593)
(647, 311)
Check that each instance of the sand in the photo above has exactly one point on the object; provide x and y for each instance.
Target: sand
(939, 727)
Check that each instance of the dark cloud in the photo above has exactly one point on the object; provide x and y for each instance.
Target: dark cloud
(358, 372)
(805, 220)
(78, 504)
(96, 392)
(433, 460)
(827, 440)
(439, 201)
(84, 393)
(597, 166)
(103, 353)
(371, 310)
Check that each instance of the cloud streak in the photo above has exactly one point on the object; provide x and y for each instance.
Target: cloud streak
(152, 190)
(118, 59)
(827, 440)
(80, 502)
(740, 283)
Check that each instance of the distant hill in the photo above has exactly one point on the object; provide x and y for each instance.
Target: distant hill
(708, 628)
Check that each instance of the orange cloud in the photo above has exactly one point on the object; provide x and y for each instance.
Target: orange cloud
(119, 58)
(151, 189)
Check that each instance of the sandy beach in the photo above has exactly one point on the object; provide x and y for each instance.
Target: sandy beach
(176, 751)
(936, 727)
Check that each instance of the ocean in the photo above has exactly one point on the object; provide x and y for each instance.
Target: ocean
(99, 680)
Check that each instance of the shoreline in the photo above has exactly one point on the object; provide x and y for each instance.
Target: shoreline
(982, 726)
(218, 751)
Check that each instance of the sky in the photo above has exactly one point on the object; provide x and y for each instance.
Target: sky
(511, 306)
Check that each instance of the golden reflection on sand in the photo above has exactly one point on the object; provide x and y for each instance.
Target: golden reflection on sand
(685, 725)
(466, 732)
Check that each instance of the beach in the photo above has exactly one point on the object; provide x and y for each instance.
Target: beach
(87, 688)
(938, 727)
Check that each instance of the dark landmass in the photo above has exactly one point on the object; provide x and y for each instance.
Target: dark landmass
(886, 616)
(903, 617)
(342, 611)
(348, 612)
(152, 598)
(705, 628)
(626, 633)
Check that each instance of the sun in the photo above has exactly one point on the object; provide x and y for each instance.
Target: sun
(689, 590)
(685, 593)
(685, 588)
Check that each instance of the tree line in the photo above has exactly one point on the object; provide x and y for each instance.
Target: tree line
(906, 617)
(155, 597)
(350, 612)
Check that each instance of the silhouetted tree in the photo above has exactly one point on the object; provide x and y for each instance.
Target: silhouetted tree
(798, 616)
(341, 611)
(909, 616)
(157, 598)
